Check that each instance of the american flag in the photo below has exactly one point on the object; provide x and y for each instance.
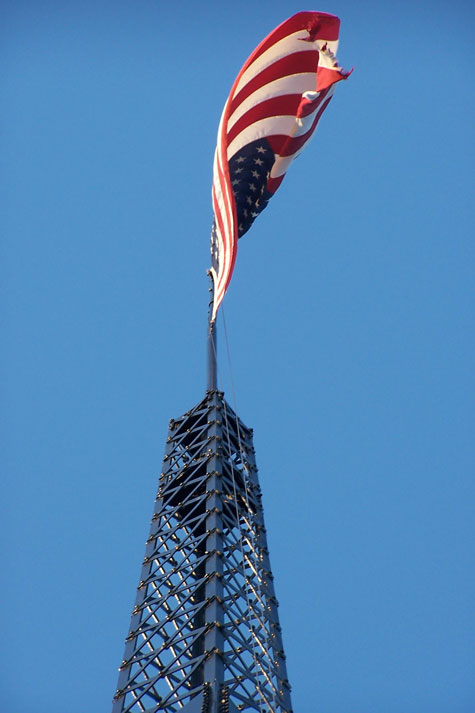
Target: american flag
(272, 111)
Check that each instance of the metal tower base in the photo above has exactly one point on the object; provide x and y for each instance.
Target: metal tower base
(204, 635)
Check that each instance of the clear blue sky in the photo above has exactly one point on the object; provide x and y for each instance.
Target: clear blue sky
(349, 318)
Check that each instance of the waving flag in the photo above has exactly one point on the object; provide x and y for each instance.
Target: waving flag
(272, 111)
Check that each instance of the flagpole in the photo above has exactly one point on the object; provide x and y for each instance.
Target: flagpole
(211, 342)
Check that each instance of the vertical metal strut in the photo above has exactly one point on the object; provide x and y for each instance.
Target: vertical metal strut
(204, 635)
(211, 343)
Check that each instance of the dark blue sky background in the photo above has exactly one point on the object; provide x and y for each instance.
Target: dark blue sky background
(349, 319)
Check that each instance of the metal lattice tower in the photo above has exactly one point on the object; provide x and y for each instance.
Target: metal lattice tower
(204, 635)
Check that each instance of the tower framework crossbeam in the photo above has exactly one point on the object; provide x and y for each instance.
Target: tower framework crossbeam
(204, 635)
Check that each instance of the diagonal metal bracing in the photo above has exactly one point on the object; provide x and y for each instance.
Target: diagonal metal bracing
(204, 630)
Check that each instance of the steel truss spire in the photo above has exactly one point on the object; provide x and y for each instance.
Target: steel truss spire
(204, 635)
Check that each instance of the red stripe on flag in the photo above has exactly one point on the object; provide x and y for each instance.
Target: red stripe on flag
(325, 26)
(308, 106)
(286, 105)
(291, 64)
(287, 146)
(326, 77)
